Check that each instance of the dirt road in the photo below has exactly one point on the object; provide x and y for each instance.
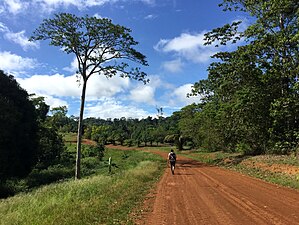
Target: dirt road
(201, 194)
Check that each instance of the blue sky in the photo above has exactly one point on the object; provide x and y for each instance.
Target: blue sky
(169, 32)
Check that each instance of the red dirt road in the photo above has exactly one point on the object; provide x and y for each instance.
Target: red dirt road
(201, 194)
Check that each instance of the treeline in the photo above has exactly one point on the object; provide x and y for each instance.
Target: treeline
(127, 131)
(31, 146)
(251, 96)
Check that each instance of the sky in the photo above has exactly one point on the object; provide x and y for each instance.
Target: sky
(169, 32)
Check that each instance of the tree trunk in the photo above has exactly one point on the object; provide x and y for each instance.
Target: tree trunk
(79, 135)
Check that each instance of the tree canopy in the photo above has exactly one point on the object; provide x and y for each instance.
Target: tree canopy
(253, 90)
(18, 126)
(100, 47)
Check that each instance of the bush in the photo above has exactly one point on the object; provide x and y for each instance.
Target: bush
(49, 175)
(93, 151)
(128, 142)
(92, 165)
(189, 144)
(245, 149)
(9, 188)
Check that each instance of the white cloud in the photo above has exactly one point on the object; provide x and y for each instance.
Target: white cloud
(47, 6)
(54, 102)
(179, 96)
(3, 28)
(146, 93)
(173, 66)
(20, 39)
(67, 86)
(100, 86)
(184, 42)
(55, 85)
(60, 90)
(143, 94)
(189, 46)
(148, 2)
(76, 3)
(150, 17)
(110, 108)
(73, 67)
(10, 62)
(98, 16)
(2, 9)
(15, 6)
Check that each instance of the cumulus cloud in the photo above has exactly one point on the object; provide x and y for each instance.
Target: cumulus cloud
(146, 93)
(100, 86)
(179, 96)
(54, 101)
(13, 63)
(60, 90)
(110, 108)
(184, 42)
(143, 94)
(189, 46)
(68, 86)
(51, 85)
(173, 66)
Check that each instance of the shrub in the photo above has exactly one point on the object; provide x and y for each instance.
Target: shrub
(244, 148)
(128, 142)
(49, 175)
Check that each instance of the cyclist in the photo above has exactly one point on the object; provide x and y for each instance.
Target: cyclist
(172, 160)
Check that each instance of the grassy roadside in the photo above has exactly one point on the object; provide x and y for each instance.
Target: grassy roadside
(281, 170)
(99, 199)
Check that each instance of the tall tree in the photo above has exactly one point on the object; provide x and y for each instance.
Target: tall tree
(50, 142)
(256, 86)
(100, 47)
(59, 118)
(18, 129)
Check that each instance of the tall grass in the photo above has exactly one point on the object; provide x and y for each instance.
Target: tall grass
(100, 199)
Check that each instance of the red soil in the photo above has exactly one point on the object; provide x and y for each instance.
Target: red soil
(202, 194)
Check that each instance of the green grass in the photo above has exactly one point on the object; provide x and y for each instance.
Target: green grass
(70, 137)
(99, 199)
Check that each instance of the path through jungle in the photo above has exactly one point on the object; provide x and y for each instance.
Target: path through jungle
(202, 194)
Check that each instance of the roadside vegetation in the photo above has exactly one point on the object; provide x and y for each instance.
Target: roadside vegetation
(277, 169)
(101, 198)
